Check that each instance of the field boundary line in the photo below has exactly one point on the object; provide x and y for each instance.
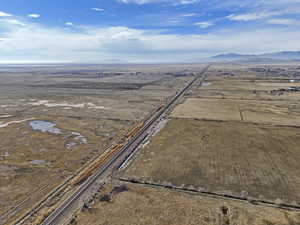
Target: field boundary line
(240, 99)
(199, 191)
(229, 121)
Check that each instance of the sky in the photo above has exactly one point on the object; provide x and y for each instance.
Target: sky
(144, 31)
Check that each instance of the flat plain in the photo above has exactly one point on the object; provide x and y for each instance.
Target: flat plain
(142, 205)
(253, 111)
(55, 118)
(224, 157)
(237, 134)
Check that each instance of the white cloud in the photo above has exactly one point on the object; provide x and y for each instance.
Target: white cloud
(3, 14)
(34, 15)
(97, 9)
(69, 24)
(282, 21)
(174, 2)
(205, 24)
(12, 22)
(189, 15)
(255, 4)
(34, 42)
(262, 9)
(252, 16)
(186, 2)
(279, 2)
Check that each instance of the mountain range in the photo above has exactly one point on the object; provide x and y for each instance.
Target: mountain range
(284, 55)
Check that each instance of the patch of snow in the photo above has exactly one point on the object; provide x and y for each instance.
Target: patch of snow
(71, 145)
(6, 154)
(49, 104)
(13, 122)
(6, 106)
(93, 106)
(79, 137)
(39, 162)
(161, 124)
(206, 84)
(5, 116)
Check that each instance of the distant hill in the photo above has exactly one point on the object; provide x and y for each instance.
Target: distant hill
(284, 55)
(232, 56)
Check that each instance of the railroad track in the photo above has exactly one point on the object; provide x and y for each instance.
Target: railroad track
(65, 208)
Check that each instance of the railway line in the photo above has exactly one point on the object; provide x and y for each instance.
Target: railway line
(101, 167)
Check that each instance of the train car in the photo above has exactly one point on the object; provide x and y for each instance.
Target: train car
(159, 108)
(134, 131)
(86, 173)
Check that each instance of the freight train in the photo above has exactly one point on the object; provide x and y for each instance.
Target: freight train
(83, 175)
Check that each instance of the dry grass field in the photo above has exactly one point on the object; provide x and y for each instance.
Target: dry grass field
(247, 84)
(225, 157)
(238, 134)
(140, 205)
(239, 143)
(243, 82)
(235, 135)
(78, 115)
(268, 112)
(245, 95)
(212, 109)
(36, 160)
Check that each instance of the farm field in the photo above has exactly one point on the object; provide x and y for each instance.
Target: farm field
(241, 143)
(237, 134)
(243, 94)
(245, 83)
(268, 112)
(140, 205)
(224, 157)
(54, 119)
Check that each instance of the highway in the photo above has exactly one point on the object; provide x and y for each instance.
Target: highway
(66, 207)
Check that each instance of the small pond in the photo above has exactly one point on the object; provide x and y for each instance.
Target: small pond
(45, 126)
(39, 162)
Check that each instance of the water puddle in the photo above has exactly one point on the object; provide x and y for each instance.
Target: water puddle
(76, 138)
(39, 162)
(206, 84)
(45, 126)
(7, 168)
